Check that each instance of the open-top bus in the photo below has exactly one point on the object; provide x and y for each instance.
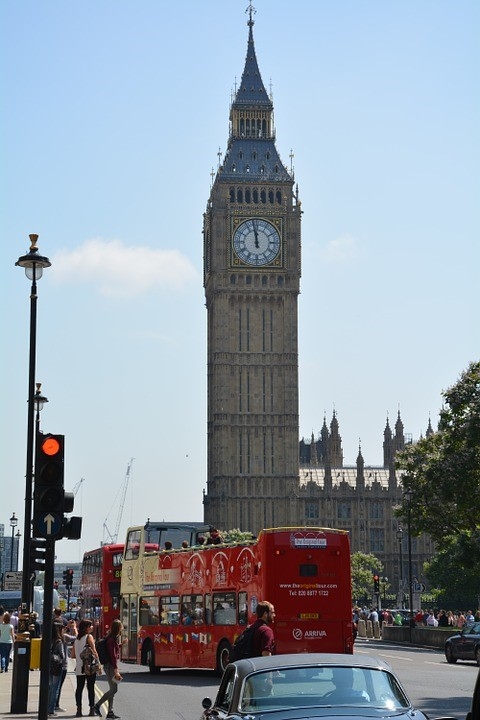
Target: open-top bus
(184, 607)
(100, 588)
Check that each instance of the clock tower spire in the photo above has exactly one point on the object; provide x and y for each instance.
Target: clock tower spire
(252, 279)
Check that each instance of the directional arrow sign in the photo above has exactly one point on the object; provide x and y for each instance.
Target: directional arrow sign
(13, 580)
(49, 525)
(49, 521)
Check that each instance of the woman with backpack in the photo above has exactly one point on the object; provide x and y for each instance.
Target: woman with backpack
(83, 669)
(110, 666)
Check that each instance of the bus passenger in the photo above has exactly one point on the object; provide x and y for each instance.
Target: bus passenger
(214, 537)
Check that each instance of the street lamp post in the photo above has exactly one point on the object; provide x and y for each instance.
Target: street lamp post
(33, 263)
(18, 535)
(407, 495)
(13, 525)
(400, 548)
(39, 401)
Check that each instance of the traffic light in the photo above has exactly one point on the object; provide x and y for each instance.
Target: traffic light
(68, 578)
(376, 584)
(72, 527)
(49, 498)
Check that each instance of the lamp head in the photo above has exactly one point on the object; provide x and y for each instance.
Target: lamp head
(33, 262)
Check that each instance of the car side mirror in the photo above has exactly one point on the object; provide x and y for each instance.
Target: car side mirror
(206, 703)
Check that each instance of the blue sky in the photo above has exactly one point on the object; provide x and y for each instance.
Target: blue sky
(112, 117)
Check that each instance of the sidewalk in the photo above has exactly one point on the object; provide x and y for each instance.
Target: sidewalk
(67, 698)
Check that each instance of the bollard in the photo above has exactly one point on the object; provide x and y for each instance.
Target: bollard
(35, 652)
(20, 676)
(362, 629)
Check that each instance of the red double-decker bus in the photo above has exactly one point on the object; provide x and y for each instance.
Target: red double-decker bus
(185, 607)
(101, 576)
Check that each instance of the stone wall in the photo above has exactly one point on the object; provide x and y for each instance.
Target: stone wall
(422, 636)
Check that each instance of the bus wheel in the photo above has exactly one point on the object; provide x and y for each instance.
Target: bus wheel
(150, 659)
(223, 656)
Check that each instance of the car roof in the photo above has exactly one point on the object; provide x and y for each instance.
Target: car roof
(304, 659)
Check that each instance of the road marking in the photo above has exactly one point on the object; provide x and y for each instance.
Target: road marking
(396, 657)
(380, 654)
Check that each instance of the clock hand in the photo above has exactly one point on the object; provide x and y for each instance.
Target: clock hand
(256, 234)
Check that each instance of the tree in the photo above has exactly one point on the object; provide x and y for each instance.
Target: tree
(364, 566)
(453, 588)
(443, 474)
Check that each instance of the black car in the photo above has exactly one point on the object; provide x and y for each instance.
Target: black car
(313, 686)
(465, 645)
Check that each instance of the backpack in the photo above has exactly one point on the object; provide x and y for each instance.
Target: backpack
(56, 658)
(89, 664)
(102, 651)
(243, 645)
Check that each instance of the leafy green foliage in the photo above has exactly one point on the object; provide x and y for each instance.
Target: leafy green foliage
(454, 585)
(364, 566)
(443, 474)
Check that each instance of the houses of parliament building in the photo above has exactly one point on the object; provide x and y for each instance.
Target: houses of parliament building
(361, 499)
(259, 473)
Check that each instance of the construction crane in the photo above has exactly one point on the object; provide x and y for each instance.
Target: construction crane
(111, 537)
(77, 486)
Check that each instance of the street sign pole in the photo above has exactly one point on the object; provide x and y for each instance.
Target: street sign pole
(47, 628)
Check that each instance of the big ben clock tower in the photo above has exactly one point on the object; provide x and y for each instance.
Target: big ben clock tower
(252, 280)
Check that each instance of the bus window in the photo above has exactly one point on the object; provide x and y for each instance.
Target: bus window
(170, 610)
(149, 611)
(192, 609)
(208, 609)
(308, 570)
(225, 608)
(132, 548)
(242, 608)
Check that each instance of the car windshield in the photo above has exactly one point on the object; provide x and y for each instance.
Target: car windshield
(328, 686)
(472, 629)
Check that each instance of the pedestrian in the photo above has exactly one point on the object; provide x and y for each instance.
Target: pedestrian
(68, 637)
(34, 626)
(113, 639)
(58, 617)
(442, 618)
(84, 639)
(7, 638)
(263, 638)
(57, 656)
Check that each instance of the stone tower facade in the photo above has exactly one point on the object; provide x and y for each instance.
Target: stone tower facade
(252, 266)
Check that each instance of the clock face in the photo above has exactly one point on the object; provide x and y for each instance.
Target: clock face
(256, 242)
